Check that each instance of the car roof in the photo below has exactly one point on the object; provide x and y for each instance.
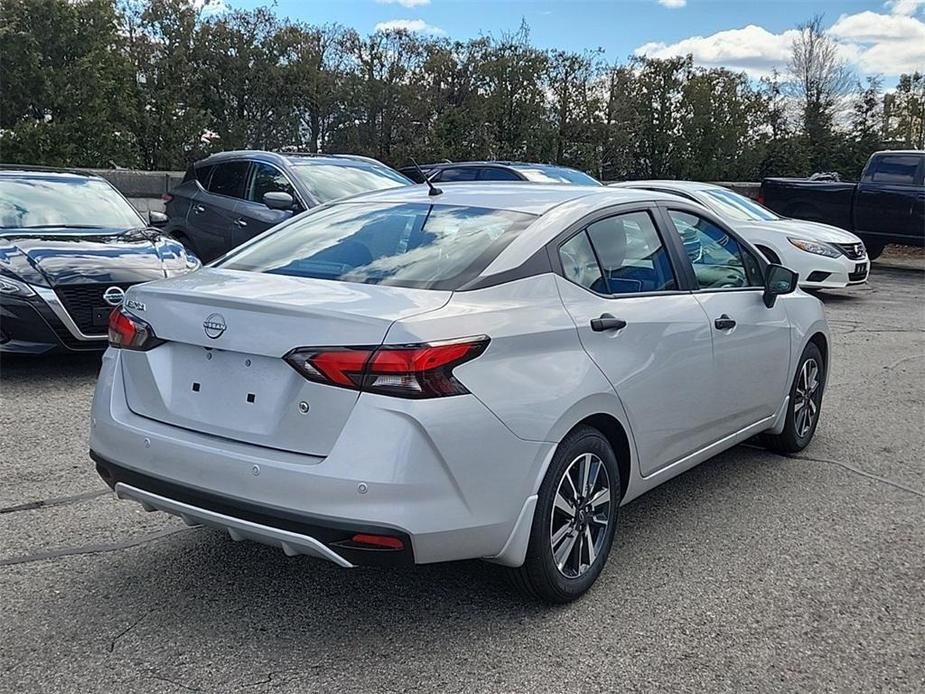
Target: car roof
(521, 196)
(294, 158)
(46, 172)
(491, 162)
(667, 184)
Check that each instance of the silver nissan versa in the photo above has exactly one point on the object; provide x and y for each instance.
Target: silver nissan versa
(487, 371)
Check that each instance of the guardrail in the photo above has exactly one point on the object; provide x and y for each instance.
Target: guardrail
(145, 188)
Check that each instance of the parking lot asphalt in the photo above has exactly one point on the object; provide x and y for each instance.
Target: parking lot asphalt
(752, 572)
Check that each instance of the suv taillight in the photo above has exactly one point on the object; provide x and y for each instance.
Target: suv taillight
(406, 371)
(128, 332)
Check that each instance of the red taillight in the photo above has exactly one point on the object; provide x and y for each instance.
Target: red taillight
(128, 332)
(167, 197)
(760, 198)
(409, 371)
(378, 541)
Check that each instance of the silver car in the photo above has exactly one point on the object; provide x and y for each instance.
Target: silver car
(490, 371)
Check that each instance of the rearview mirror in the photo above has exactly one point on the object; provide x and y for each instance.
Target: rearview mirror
(157, 219)
(278, 200)
(779, 280)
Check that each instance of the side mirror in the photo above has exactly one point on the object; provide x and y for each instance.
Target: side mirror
(779, 280)
(157, 219)
(278, 200)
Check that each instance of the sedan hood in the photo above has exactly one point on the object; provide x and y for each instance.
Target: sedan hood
(53, 257)
(800, 228)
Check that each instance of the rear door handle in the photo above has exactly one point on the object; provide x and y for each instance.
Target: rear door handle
(606, 322)
(198, 209)
(241, 222)
(724, 322)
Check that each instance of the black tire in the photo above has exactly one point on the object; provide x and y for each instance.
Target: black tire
(796, 434)
(874, 249)
(541, 577)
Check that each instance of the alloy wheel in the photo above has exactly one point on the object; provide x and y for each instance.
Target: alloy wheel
(580, 514)
(806, 398)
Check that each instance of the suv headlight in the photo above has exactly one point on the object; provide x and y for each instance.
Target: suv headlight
(11, 287)
(815, 247)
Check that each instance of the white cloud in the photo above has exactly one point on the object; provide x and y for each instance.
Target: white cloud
(871, 42)
(906, 8)
(673, 4)
(404, 3)
(751, 49)
(412, 25)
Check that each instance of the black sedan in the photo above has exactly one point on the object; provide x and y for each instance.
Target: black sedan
(70, 245)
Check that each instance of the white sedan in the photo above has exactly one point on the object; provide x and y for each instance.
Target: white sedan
(824, 256)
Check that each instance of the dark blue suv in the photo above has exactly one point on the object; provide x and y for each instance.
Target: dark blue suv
(228, 198)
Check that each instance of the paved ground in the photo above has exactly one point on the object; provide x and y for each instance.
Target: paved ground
(751, 572)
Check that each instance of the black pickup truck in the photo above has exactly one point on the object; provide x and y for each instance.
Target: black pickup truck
(887, 206)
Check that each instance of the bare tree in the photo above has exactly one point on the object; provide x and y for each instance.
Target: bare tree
(820, 80)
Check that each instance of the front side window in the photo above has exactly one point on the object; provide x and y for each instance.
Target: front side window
(328, 182)
(463, 173)
(267, 179)
(228, 179)
(64, 202)
(631, 254)
(401, 244)
(493, 173)
(718, 259)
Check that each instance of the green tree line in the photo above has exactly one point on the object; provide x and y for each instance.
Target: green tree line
(157, 84)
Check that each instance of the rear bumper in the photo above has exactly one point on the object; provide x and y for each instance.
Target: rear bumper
(446, 475)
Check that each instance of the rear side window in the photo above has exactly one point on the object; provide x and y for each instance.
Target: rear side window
(493, 173)
(718, 259)
(468, 173)
(895, 168)
(228, 179)
(267, 179)
(631, 254)
(202, 175)
(580, 265)
(401, 244)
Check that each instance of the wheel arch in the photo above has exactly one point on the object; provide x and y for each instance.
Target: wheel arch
(615, 433)
(822, 342)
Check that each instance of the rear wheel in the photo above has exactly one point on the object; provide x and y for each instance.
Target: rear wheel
(805, 404)
(575, 520)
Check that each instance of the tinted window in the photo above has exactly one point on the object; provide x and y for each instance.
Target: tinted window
(408, 245)
(493, 173)
(202, 175)
(579, 264)
(27, 202)
(467, 173)
(556, 174)
(267, 179)
(631, 254)
(896, 168)
(329, 181)
(228, 179)
(719, 261)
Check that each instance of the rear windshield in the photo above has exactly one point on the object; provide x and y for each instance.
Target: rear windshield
(556, 174)
(328, 182)
(400, 244)
(64, 202)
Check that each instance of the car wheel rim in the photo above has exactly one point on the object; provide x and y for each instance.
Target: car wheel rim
(806, 399)
(580, 515)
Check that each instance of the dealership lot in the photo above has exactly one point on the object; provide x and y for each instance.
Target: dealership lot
(750, 572)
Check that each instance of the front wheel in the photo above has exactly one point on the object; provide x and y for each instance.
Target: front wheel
(805, 404)
(874, 249)
(575, 520)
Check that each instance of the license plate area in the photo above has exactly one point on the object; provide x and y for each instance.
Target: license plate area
(101, 316)
(860, 268)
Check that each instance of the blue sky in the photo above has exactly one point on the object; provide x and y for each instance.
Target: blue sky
(876, 36)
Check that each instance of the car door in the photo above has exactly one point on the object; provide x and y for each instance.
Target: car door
(646, 332)
(751, 342)
(890, 197)
(253, 216)
(212, 217)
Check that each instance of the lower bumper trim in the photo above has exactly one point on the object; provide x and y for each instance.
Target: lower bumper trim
(291, 543)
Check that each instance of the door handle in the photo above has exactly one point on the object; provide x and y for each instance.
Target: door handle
(607, 322)
(241, 222)
(724, 322)
(198, 209)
